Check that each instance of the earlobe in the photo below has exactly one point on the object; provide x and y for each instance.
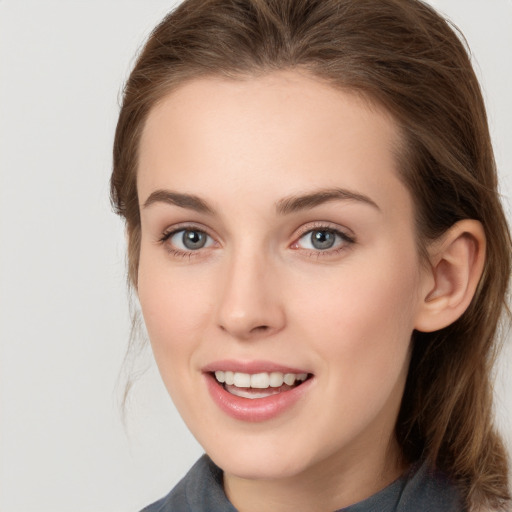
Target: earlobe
(456, 265)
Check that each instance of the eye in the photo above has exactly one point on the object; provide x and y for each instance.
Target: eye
(322, 239)
(189, 240)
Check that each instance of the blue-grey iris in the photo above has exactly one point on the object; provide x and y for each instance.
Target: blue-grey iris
(194, 239)
(323, 239)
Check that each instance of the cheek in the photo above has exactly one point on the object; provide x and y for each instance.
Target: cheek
(364, 321)
(175, 308)
(363, 296)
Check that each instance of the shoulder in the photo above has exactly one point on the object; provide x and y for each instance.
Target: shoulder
(428, 490)
(419, 489)
(199, 490)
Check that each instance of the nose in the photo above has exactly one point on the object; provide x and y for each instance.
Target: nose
(250, 304)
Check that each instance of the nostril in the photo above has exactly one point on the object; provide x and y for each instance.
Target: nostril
(260, 328)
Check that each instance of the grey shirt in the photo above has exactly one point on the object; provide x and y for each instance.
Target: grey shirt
(419, 490)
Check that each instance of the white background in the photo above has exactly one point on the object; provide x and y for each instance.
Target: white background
(64, 319)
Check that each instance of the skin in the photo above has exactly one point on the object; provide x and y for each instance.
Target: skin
(258, 290)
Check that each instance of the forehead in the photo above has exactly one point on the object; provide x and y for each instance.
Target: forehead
(296, 98)
(284, 130)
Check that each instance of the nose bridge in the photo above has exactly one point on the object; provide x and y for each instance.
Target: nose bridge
(249, 303)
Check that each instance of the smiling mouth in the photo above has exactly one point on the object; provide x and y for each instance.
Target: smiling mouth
(258, 385)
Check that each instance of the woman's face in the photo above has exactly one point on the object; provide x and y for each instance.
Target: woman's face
(278, 253)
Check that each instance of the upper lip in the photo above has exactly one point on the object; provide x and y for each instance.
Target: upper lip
(252, 367)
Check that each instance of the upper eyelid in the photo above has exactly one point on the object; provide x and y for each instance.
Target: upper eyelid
(345, 239)
(319, 225)
(185, 226)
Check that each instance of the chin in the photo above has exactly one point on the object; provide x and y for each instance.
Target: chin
(258, 469)
(259, 461)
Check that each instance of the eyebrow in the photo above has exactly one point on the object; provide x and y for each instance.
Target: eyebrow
(188, 201)
(305, 202)
(284, 206)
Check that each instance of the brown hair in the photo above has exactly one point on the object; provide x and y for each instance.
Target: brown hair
(402, 55)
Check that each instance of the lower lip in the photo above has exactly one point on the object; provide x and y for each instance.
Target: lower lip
(254, 409)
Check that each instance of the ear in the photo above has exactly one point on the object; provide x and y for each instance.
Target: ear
(456, 264)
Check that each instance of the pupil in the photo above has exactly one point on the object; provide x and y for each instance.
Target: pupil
(194, 239)
(322, 239)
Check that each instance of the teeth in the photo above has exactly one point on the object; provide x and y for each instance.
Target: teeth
(259, 380)
(276, 379)
(289, 379)
(242, 380)
(245, 393)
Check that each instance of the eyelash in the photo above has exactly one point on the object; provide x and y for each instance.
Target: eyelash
(346, 240)
(173, 251)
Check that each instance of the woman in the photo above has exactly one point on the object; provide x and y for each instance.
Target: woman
(320, 254)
